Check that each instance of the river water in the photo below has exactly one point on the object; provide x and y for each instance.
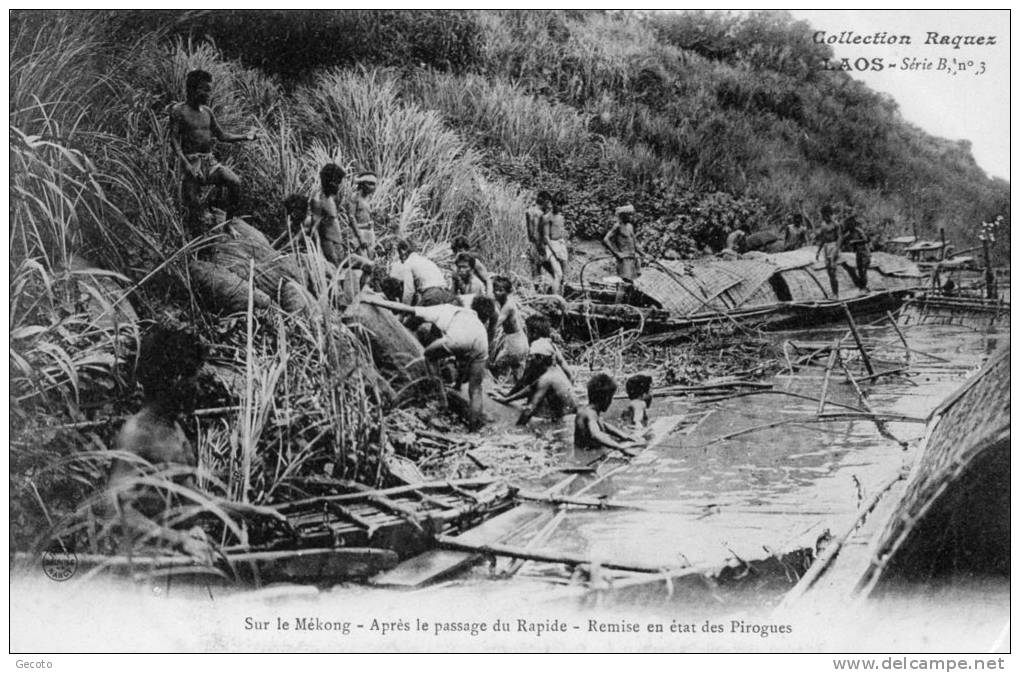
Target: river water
(706, 502)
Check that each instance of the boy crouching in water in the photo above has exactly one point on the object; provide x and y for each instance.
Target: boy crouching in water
(639, 392)
(464, 336)
(168, 364)
(591, 431)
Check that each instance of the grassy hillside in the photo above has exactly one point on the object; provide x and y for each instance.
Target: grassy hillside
(701, 120)
(667, 110)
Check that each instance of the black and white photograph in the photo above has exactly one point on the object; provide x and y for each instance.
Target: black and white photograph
(510, 331)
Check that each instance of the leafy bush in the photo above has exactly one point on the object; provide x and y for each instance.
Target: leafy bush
(698, 220)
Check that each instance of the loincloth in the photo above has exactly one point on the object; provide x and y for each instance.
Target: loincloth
(627, 267)
(204, 165)
(558, 249)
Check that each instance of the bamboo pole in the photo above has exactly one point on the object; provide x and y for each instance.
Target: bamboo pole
(833, 354)
(526, 554)
(396, 490)
(888, 372)
(899, 333)
(857, 339)
(747, 393)
(879, 424)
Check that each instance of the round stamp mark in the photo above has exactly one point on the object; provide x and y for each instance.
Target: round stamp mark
(59, 565)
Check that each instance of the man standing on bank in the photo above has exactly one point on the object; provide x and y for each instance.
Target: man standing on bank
(193, 128)
(621, 240)
(359, 214)
(829, 237)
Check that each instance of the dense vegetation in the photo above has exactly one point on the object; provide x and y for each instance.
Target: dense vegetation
(701, 120)
(665, 110)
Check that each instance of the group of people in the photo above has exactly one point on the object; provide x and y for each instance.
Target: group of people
(832, 236)
(473, 316)
(549, 242)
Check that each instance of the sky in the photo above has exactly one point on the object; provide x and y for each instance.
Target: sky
(962, 106)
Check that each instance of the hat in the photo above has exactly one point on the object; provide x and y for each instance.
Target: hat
(625, 209)
(367, 177)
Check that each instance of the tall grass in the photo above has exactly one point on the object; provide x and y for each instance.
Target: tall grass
(109, 190)
(409, 148)
(51, 89)
(502, 116)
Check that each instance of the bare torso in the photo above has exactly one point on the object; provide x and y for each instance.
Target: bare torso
(624, 239)
(510, 317)
(323, 210)
(583, 422)
(361, 212)
(828, 233)
(533, 220)
(155, 439)
(557, 227)
(194, 127)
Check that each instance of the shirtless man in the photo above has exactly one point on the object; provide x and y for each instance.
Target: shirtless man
(622, 243)
(192, 130)
(829, 237)
(546, 377)
(510, 349)
(359, 213)
(551, 387)
(461, 244)
(533, 223)
(295, 208)
(796, 233)
(735, 239)
(325, 220)
(464, 280)
(591, 431)
(168, 363)
(553, 240)
(859, 242)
